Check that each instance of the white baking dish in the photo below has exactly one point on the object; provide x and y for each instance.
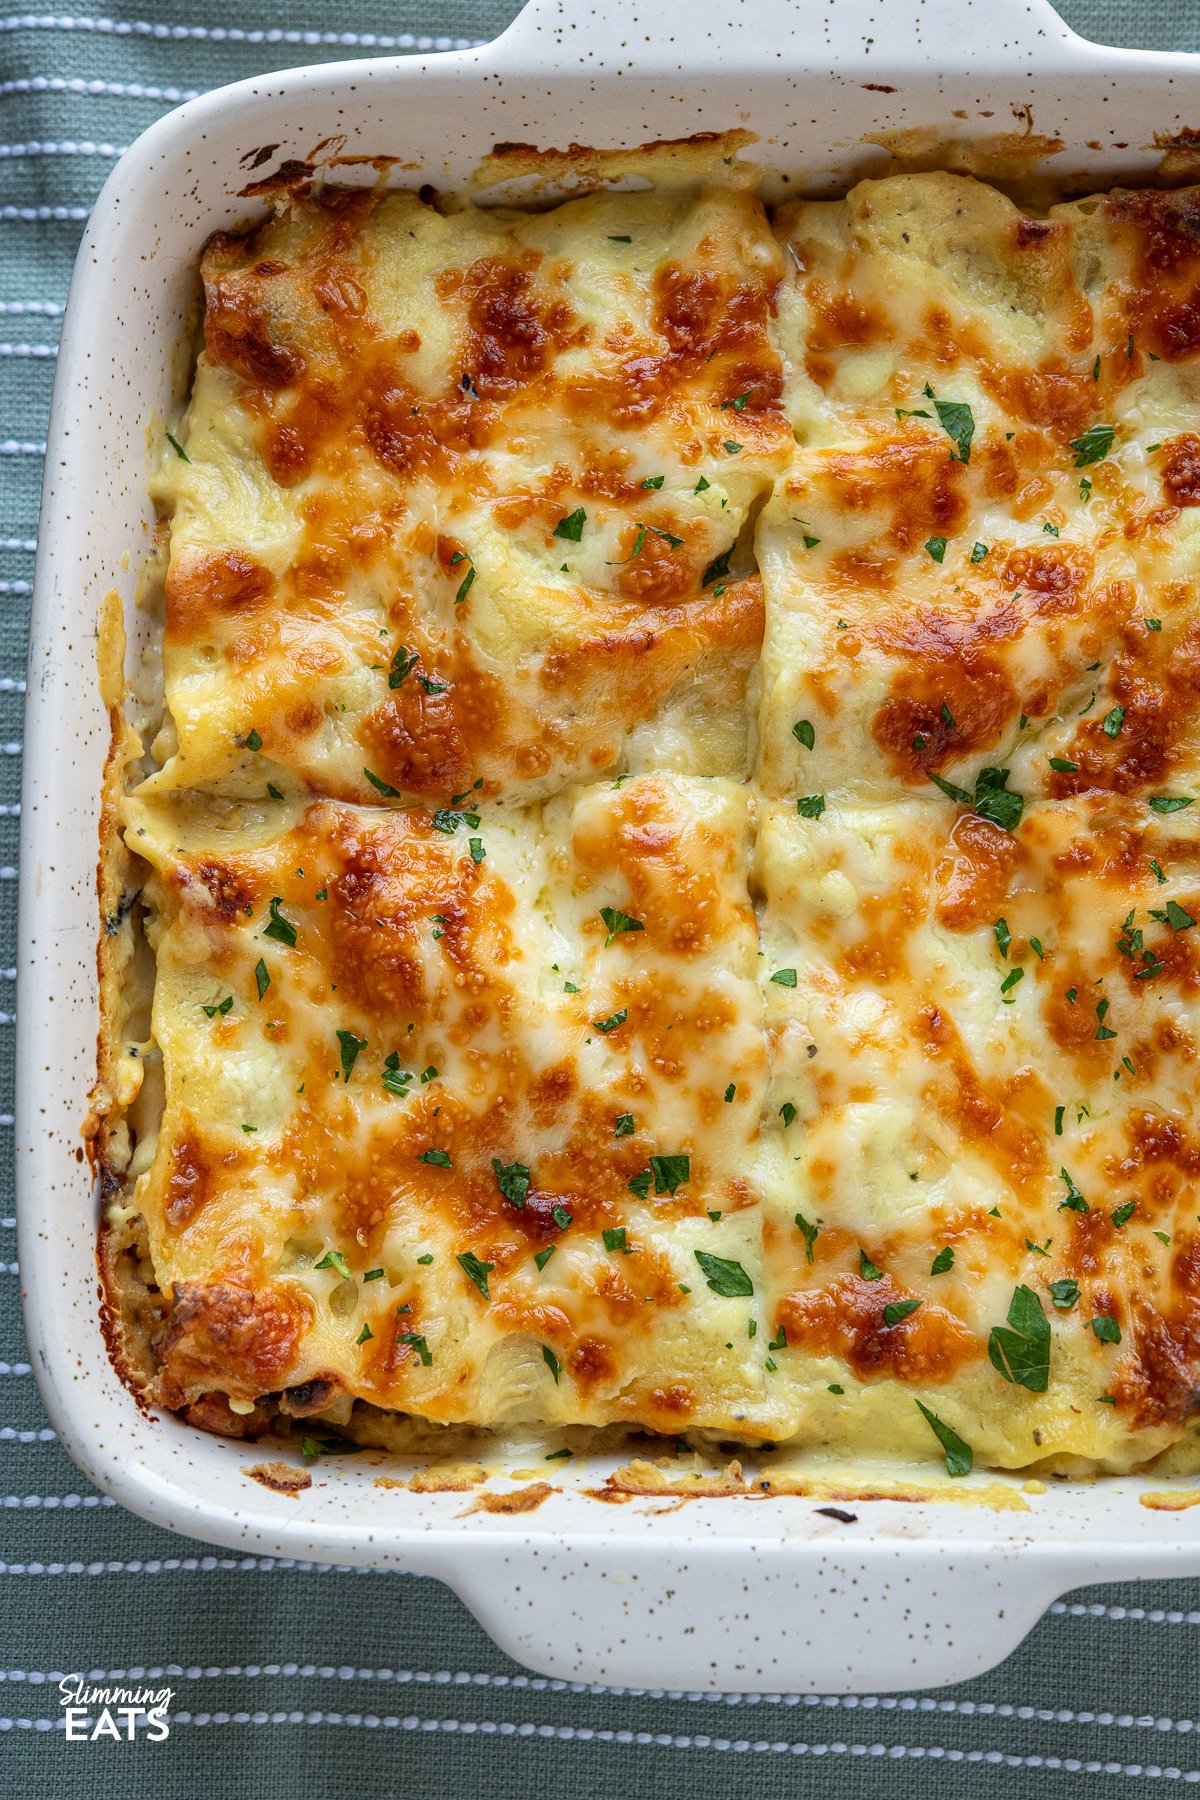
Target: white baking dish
(721, 1593)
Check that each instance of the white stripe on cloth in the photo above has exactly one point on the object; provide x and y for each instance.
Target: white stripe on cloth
(222, 34)
(547, 1684)
(105, 90)
(665, 1740)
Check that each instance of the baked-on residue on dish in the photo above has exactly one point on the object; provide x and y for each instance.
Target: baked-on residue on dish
(665, 855)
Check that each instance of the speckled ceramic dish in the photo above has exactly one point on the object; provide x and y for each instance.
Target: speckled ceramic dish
(728, 1592)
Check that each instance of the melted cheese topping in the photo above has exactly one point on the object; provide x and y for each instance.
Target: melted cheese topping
(519, 448)
(842, 1053)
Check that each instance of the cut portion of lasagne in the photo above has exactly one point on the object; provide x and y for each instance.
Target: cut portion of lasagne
(670, 848)
(983, 1048)
(445, 1120)
(465, 495)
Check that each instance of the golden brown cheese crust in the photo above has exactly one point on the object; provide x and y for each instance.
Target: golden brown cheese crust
(463, 491)
(671, 862)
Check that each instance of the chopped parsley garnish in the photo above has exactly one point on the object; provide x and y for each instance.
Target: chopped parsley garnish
(1169, 803)
(670, 1172)
(562, 1218)
(273, 792)
(1121, 1215)
(1035, 944)
(978, 553)
(1003, 937)
(1010, 981)
(1050, 530)
(333, 1259)
(730, 1091)
(936, 547)
(701, 485)
(992, 800)
(448, 820)
(730, 448)
(253, 742)
(1153, 624)
(365, 1335)
(959, 1455)
(803, 731)
(178, 448)
(613, 1020)
(724, 1276)
(653, 481)
(440, 1159)
(736, 404)
(1114, 721)
(787, 1113)
(512, 1179)
(262, 977)
(1174, 915)
(351, 1048)
(616, 921)
(867, 1269)
(621, 237)
(464, 586)
(1063, 766)
(403, 664)
(614, 1239)
(624, 1125)
(1058, 1119)
(810, 1234)
(1074, 1201)
(1021, 1351)
(373, 1275)
(220, 1009)
(1093, 446)
(784, 978)
(416, 1342)
(1103, 1032)
(552, 1363)
(1164, 1237)
(1064, 1293)
(942, 1261)
(427, 1258)
(475, 846)
(572, 526)
(1106, 1328)
(475, 1271)
(899, 1309)
(381, 786)
(810, 806)
(717, 568)
(543, 1256)
(640, 1184)
(394, 1078)
(281, 929)
(957, 421)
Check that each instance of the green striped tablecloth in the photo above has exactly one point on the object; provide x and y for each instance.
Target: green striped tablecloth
(294, 1677)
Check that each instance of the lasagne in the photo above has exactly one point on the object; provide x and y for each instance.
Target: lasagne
(654, 883)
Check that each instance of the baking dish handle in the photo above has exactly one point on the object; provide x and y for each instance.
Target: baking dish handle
(771, 1616)
(901, 37)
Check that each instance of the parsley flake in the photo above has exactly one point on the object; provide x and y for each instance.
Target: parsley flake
(351, 1048)
(1093, 446)
(616, 922)
(959, 1455)
(1021, 1351)
(724, 1276)
(475, 1271)
(512, 1179)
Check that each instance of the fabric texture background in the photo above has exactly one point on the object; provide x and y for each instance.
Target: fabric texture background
(293, 1677)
